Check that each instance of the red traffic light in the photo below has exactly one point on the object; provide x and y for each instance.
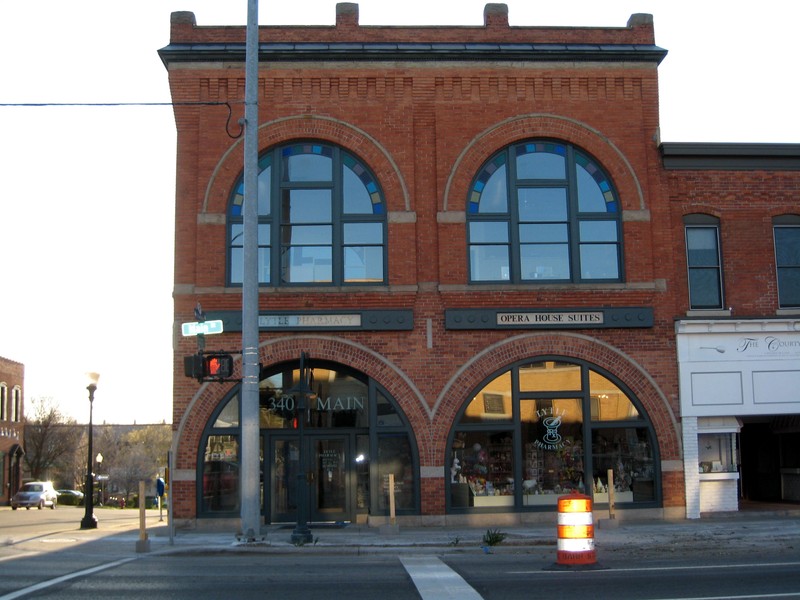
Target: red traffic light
(219, 366)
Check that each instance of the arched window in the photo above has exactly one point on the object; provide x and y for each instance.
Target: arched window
(321, 219)
(16, 404)
(355, 437)
(547, 427)
(543, 212)
(3, 402)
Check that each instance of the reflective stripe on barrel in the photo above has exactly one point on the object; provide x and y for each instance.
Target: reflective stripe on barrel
(575, 531)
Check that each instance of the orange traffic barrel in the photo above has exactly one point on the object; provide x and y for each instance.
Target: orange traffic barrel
(575, 531)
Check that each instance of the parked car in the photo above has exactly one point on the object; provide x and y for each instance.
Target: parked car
(70, 497)
(35, 493)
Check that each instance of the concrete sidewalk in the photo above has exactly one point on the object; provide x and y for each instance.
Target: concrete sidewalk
(733, 533)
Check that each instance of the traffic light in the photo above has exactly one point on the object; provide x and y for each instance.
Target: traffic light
(193, 366)
(218, 366)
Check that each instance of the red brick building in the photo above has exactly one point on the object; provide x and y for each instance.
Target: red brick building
(12, 427)
(479, 240)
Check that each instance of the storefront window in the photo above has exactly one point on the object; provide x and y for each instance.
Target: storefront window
(387, 415)
(229, 416)
(552, 438)
(520, 441)
(492, 404)
(354, 437)
(221, 474)
(482, 469)
(609, 403)
(394, 457)
(362, 472)
(717, 453)
(337, 400)
(628, 455)
(549, 376)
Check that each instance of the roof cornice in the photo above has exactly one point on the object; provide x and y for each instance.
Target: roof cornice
(383, 51)
(730, 156)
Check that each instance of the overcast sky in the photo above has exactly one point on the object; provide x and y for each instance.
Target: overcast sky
(87, 193)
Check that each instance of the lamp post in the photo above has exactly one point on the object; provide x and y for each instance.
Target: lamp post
(302, 534)
(99, 460)
(89, 521)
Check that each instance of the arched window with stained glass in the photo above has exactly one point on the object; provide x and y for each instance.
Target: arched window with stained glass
(321, 219)
(543, 211)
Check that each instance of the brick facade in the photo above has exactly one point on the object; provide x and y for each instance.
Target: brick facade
(12, 426)
(425, 123)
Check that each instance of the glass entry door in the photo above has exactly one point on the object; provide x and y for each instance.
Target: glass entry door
(327, 475)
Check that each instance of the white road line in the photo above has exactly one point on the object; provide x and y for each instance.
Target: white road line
(51, 582)
(745, 597)
(668, 568)
(435, 580)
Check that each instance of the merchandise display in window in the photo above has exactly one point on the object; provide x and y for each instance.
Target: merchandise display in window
(540, 452)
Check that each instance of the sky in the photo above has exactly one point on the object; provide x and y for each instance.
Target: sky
(87, 193)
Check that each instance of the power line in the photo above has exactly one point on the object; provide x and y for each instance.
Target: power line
(115, 104)
(48, 104)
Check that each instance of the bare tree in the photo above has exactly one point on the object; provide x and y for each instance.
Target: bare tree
(50, 438)
(136, 455)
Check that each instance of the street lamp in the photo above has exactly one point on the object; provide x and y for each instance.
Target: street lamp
(89, 521)
(99, 460)
(302, 534)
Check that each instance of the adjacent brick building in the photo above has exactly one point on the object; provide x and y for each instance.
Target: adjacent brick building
(478, 238)
(12, 427)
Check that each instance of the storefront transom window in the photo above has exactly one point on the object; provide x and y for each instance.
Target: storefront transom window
(549, 427)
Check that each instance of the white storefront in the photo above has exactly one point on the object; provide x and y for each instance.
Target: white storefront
(732, 370)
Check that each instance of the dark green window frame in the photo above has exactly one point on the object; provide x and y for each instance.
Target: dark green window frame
(321, 220)
(786, 233)
(704, 262)
(543, 211)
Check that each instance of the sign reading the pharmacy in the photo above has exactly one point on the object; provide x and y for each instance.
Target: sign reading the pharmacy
(549, 318)
(335, 320)
(312, 321)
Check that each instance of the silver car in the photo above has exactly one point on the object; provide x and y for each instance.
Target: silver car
(35, 493)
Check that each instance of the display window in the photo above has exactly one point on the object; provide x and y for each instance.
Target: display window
(354, 436)
(221, 474)
(548, 427)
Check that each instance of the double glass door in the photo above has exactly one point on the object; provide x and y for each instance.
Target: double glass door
(321, 462)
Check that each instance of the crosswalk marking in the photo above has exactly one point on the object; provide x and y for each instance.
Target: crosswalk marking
(436, 581)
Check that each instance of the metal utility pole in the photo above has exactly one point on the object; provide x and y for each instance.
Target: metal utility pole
(250, 452)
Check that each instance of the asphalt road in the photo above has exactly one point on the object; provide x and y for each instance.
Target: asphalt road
(394, 577)
(43, 554)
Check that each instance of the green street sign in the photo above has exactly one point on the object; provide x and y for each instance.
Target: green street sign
(203, 328)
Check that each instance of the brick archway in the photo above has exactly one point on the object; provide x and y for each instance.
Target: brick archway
(196, 416)
(531, 126)
(326, 129)
(592, 350)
